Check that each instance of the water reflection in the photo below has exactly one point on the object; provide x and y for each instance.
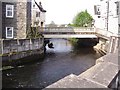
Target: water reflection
(59, 62)
(60, 45)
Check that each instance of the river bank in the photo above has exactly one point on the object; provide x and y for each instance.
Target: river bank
(20, 51)
(59, 62)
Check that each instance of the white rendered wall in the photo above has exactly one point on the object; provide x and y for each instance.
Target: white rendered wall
(113, 18)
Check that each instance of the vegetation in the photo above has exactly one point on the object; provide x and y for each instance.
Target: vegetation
(82, 19)
(74, 41)
(33, 32)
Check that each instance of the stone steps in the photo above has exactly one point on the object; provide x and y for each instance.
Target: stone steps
(102, 73)
(73, 81)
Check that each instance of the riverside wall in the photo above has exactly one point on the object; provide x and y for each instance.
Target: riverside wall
(108, 46)
(19, 51)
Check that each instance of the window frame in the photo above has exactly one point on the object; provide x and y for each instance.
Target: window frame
(12, 6)
(117, 8)
(97, 9)
(38, 14)
(7, 32)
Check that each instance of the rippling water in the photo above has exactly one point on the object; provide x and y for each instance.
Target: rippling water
(59, 62)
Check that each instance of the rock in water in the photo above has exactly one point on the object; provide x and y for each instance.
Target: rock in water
(50, 45)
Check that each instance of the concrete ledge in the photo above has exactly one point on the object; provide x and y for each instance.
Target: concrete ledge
(111, 57)
(73, 81)
(22, 57)
(101, 73)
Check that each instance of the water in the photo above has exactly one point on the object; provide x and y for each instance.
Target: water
(59, 62)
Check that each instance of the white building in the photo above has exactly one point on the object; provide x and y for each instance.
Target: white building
(38, 14)
(106, 15)
(119, 19)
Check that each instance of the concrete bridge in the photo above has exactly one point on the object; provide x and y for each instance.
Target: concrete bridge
(74, 32)
(108, 41)
(107, 65)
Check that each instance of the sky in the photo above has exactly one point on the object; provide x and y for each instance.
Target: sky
(63, 11)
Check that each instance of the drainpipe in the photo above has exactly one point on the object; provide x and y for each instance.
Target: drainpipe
(107, 15)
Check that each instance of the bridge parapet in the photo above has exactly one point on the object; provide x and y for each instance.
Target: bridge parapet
(78, 31)
(84, 29)
(67, 30)
(104, 33)
(56, 29)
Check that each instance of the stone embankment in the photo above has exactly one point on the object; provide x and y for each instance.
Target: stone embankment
(19, 51)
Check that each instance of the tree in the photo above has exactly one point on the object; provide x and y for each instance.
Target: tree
(82, 19)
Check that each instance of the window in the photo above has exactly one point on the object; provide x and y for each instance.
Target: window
(9, 11)
(9, 32)
(97, 10)
(37, 14)
(117, 8)
(33, 5)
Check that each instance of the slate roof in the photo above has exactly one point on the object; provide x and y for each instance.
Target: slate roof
(40, 7)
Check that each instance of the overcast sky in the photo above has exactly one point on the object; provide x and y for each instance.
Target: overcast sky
(63, 11)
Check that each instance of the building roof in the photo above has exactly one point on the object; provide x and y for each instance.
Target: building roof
(40, 6)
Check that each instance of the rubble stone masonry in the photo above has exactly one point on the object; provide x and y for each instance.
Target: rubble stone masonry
(23, 18)
(0, 19)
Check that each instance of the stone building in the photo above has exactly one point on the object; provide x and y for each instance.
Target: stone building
(106, 15)
(38, 14)
(15, 18)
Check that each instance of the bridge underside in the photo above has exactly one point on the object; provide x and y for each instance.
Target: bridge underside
(69, 36)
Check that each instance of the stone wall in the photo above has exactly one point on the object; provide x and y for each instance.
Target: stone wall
(19, 45)
(113, 44)
(0, 19)
(0, 45)
(108, 46)
(23, 18)
(15, 49)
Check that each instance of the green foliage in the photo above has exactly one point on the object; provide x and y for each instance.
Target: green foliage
(82, 19)
(33, 33)
(73, 41)
(70, 25)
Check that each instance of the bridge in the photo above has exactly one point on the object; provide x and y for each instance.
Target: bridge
(108, 41)
(91, 77)
(75, 32)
